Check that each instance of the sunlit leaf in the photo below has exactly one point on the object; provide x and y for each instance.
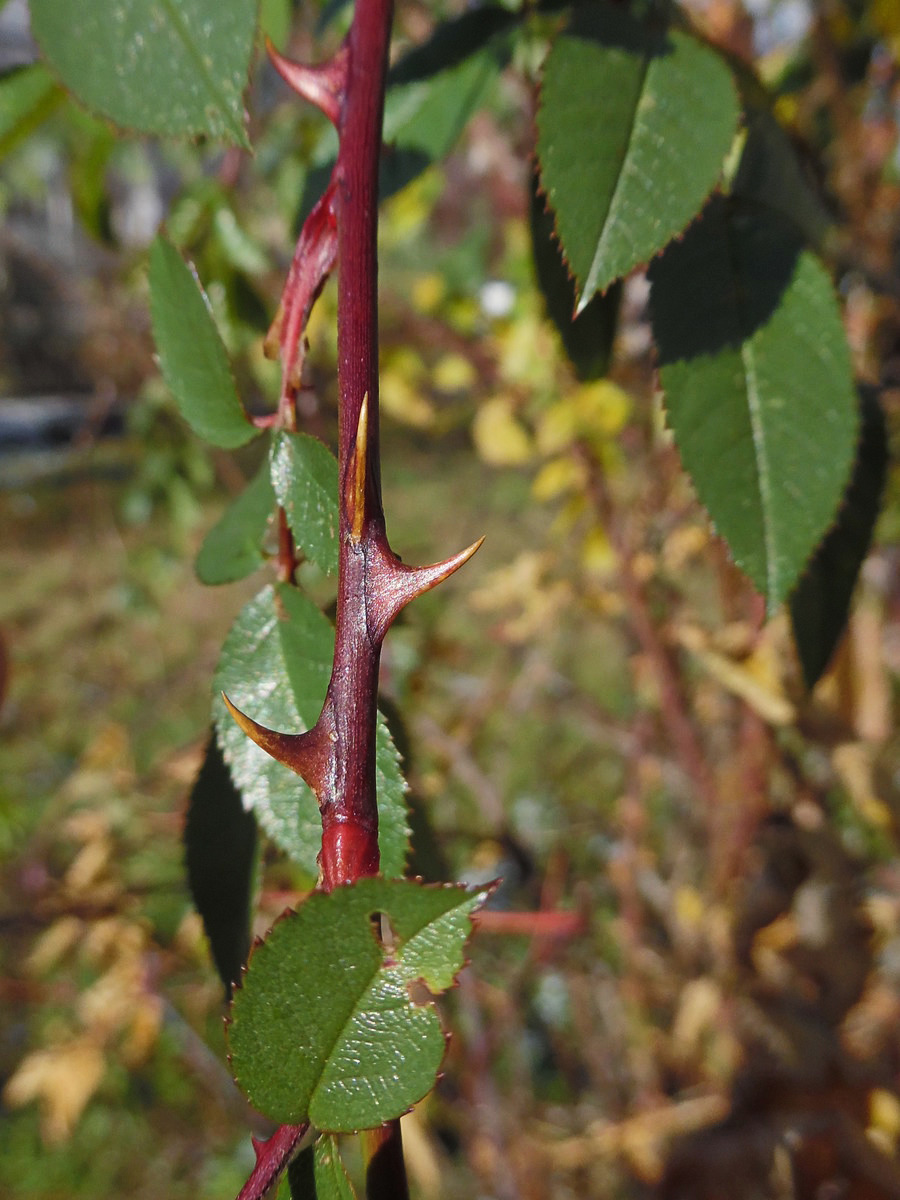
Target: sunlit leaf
(174, 67)
(633, 128)
(759, 386)
(305, 479)
(233, 547)
(193, 359)
(325, 1019)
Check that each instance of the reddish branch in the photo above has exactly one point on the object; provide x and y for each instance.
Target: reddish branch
(337, 756)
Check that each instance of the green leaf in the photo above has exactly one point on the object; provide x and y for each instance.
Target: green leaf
(769, 173)
(325, 1025)
(305, 479)
(220, 848)
(275, 666)
(821, 601)
(332, 1180)
(633, 130)
(588, 337)
(233, 547)
(174, 67)
(452, 42)
(27, 96)
(759, 385)
(193, 359)
(423, 120)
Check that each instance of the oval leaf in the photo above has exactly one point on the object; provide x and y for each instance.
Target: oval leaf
(633, 130)
(275, 666)
(759, 386)
(324, 1025)
(305, 479)
(193, 359)
(159, 66)
(233, 547)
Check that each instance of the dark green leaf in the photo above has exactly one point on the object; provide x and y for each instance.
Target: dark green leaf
(770, 174)
(233, 547)
(305, 480)
(220, 848)
(324, 1025)
(821, 601)
(299, 1182)
(191, 354)
(275, 666)
(759, 386)
(158, 66)
(633, 130)
(587, 338)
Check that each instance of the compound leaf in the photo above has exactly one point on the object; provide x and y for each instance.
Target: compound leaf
(633, 129)
(275, 666)
(233, 547)
(193, 359)
(305, 478)
(324, 1026)
(759, 385)
(176, 67)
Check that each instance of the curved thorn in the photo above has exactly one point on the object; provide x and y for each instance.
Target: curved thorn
(398, 584)
(323, 85)
(298, 751)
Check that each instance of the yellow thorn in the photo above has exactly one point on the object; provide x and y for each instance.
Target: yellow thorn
(359, 483)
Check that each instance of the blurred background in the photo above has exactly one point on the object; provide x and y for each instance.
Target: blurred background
(705, 1000)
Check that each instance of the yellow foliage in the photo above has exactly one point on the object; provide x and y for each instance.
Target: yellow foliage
(594, 413)
(428, 292)
(500, 438)
(401, 398)
(558, 477)
(454, 373)
(884, 1117)
(62, 1078)
(597, 555)
(526, 353)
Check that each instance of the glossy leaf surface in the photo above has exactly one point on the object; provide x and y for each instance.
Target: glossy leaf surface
(821, 601)
(305, 478)
(324, 1025)
(175, 67)
(233, 547)
(633, 129)
(759, 386)
(275, 666)
(193, 359)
